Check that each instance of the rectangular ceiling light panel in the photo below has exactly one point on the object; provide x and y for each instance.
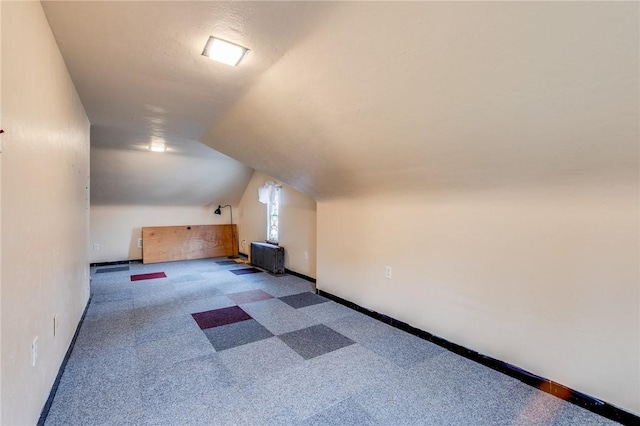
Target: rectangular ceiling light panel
(224, 51)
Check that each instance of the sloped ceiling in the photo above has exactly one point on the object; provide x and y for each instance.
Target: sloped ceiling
(340, 99)
(139, 71)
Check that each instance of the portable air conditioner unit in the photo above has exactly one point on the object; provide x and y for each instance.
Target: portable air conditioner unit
(269, 257)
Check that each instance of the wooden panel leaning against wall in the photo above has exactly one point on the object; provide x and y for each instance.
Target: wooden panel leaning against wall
(168, 243)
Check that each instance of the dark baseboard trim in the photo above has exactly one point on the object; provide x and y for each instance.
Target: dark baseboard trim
(578, 398)
(299, 275)
(287, 271)
(116, 262)
(56, 383)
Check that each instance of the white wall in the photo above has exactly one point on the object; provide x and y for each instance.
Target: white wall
(45, 217)
(546, 278)
(116, 229)
(297, 224)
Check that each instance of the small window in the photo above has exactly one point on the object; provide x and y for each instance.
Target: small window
(273, 210)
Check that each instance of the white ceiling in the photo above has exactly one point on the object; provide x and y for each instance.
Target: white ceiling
(339, 99)
(140, 74)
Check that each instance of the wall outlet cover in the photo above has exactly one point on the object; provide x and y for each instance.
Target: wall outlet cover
(56, 324)
(34, 351)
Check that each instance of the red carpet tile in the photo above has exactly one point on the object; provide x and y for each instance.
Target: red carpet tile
(151, 276)
(220, 317)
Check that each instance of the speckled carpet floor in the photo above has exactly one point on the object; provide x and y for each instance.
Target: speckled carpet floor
(204, 346)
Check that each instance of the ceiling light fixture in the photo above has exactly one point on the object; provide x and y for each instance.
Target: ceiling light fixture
(224, 51)
(157, 148)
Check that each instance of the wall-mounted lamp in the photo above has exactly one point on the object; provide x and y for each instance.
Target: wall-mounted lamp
(233, 237)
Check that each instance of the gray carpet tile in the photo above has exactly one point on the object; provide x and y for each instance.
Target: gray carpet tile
(277, 316)
(447, 390)
(226, 406)
(571, 415)
(359, 327)
(509, 408)
(164, 296)
(209, 270)
(346, 412)
(204, 304)
(460, 378)
(111, 307)
(227, 262)
(104, 365)
(168, 303)
(539, 408)
(143, 292)
(105, 334)
(401, 399)
(325, 312)
(236, 334)
(186, 278)
(184, 380)
(354, 367)
(158, 311)
(301, 300)
(171, 350)
(120, 405)
(254, 360)
(147, 329)
(315, 341)
(196, 290)
(113, 296)
(98, 389)
(292, 395)
(215, 408)
(109, 285)
(141, 359)
(402, 348)
(249, 296)
(232, 284)
(104, 270)
(244, 271)
(281, 286)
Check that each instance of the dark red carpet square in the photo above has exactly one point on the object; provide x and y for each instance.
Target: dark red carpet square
(219, 317)
(150, 276)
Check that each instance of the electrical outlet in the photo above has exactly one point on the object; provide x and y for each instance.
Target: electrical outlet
(55, 325)
(139, 242)
(96, 247)
(306, 255)
(387, 272)
(34, 351)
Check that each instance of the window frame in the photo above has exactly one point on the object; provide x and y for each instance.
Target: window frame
(271, 205)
